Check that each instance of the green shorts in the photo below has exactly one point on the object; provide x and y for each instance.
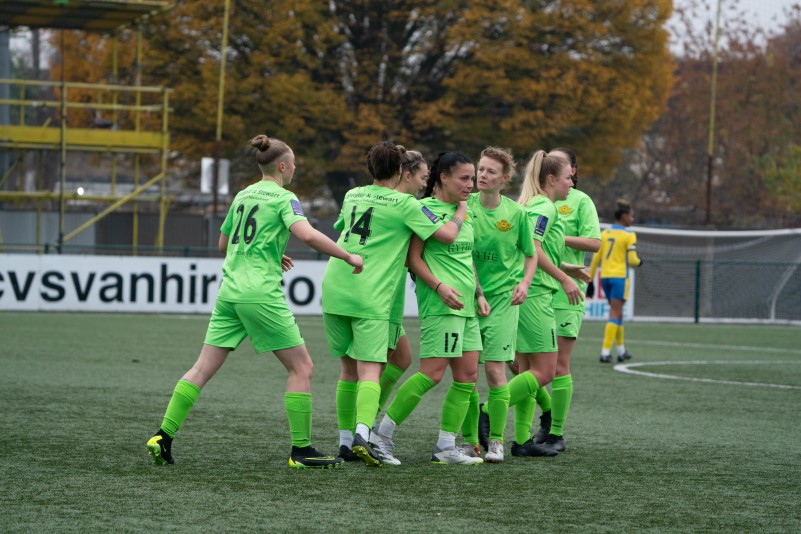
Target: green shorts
(270, 326)
(568, 322)
(536, 331)
(499, 329)
(396, 332)
(448, 336)
(361, 339)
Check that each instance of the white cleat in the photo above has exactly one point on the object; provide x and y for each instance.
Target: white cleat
(453, 456)
(383, 447)
(495, 453)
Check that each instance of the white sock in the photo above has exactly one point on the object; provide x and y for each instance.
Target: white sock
(447, 440)
(605, 352)
(387, 427)
(363, 430)
(346, 438)
(621, 350)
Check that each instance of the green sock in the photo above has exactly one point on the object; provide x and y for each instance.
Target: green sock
(543, 398)
(562, 389)
(389, 378)
(521, 387)
(454, 408)
(367, 403)
(498, 408)
(183, 398)
(522, 395)
(408, 397)
(470, 424)
(298, 405)
(346, 405)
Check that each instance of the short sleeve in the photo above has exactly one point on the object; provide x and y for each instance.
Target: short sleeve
(419, 218)
(290, 209)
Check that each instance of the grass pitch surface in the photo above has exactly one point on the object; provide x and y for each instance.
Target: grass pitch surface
(686, 447)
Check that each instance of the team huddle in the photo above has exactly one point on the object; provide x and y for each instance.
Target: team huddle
(497, 282)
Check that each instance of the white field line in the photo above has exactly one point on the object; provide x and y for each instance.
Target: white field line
(628, 368)
(710, 346)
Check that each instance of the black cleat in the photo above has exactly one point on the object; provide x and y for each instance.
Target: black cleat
(363, 450)
(346, 454)
(623, 357)
(545, 427)
(530, 448)
(159, 448)
(555, 443)
(483, 427)
(606, 359)
(309, 457)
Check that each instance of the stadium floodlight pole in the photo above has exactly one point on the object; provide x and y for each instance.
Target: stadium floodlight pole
(220, 96)
(62, 173)
(712, 104)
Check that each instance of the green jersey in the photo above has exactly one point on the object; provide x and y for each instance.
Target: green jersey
(502, 239)
(257, 226)
(377, 224)
(545, 228)
(399, 300)
(451, 264)
(580, 219)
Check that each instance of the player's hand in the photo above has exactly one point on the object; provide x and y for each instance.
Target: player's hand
(590, 290)
(519, 293)
(355, 261)
(483, 306)
(286, 263)
(450, 297)
(574, 294)
(576, 271)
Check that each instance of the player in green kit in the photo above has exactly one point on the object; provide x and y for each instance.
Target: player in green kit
(448, 299)
(579, 218)
(506, 262)
(376, 223)
(414, 175)
(547, 180)
(250, 302)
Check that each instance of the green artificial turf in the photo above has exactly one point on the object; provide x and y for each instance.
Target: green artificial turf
(82, 393)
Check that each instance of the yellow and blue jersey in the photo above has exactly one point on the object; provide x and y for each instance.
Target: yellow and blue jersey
(617, 254)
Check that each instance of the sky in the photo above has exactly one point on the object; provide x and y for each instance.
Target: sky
(766, 13)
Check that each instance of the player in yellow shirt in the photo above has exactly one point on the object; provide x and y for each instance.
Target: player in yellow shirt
(617, 255)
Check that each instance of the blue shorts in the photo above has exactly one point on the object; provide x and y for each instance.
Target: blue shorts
(615, 288)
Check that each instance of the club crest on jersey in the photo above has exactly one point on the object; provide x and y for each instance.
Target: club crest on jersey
(503, 225)
(565, 210)
(297, 209)
(542, 224)
(428, 213)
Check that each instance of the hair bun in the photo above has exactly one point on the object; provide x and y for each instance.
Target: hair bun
(401, 149)
(261, 142)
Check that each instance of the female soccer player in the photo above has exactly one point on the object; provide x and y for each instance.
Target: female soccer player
(618, 253)
(251, 303)
(547, 180)
(506, 262)
(376, 223)
(582, 234)
(448, 299)
(414, 175)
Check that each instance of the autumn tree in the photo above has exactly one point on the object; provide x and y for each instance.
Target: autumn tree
(755, 168)
(332, 78)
